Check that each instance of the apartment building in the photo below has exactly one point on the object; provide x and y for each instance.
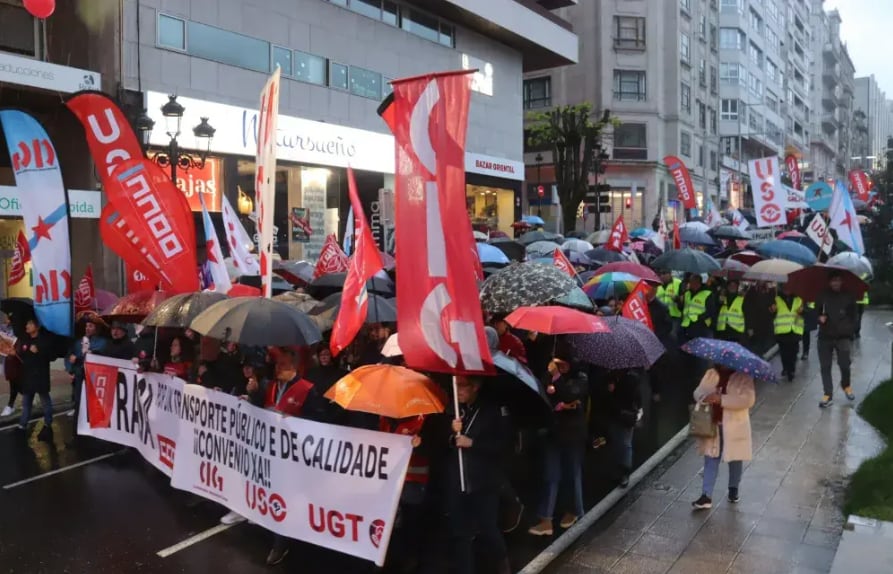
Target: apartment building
(655, 65)
(870, 105)
(833, 84)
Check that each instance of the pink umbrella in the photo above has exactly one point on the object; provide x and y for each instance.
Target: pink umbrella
(792, 233)
(746, 257)
(104, 299)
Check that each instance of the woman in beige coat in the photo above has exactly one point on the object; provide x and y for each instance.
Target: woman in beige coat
(732, 395)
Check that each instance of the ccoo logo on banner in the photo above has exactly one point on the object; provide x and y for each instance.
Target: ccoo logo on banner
(769, 197)
(329, 485)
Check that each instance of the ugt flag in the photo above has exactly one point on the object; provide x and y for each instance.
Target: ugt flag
(45, 211)
(842, 214)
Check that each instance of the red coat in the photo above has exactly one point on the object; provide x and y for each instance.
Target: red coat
(292, 400)
(512, 346)
(179, 369)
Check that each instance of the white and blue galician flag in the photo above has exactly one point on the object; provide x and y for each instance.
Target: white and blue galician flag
(843, 219)
(45, 211)
(221, 283)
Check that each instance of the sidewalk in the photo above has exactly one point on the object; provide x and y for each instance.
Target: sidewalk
(60, 393)
(789, 518)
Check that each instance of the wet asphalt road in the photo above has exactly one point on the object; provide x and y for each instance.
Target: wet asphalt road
(92, 507)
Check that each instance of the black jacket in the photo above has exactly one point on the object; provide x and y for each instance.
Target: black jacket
(35, 366)
(842, 312)
(318, 407)
(225, 372)
(660, 319)
(621, 403)
(487, 425)
(569, 425)
(123, 349)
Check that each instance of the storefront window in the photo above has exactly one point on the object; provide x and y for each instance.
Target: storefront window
(310, 68)
(282, 58)
(490, 207)
(9, 230)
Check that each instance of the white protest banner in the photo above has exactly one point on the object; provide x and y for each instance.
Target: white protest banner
(769, 197)
(817, 230)
(329, 485)
(762, 234)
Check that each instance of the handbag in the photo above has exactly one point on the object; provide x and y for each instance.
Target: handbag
(700, 422)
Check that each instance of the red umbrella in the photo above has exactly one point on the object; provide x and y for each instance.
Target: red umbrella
(240, 290)
(644, 273)
(810, 282)
(746, 257)
(553, 320)
(792, 233)
(134, 307)
(498, 233)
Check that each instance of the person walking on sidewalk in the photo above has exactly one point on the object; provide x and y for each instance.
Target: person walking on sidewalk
(838, 315)
(788, 309)
(810, 324)
(35, 350)
(732, 395)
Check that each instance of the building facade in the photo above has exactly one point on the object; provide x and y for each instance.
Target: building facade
(336, 58)
(654, 66)
(870, 105)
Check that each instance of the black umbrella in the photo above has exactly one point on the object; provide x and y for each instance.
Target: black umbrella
(512, 249)
(522, 284)
(258, 322)
(327, 284)
(19, 310)
(602, 255)
(729, 232)
(180, 310)
(380, 309)
(687, 260)
(532, 237)
(516, 387)
(279, 284)
(576, 234)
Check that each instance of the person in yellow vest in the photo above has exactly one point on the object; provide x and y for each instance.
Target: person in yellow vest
(788, 310)
(699, 310)
(670, 294)
(730, 324)
(863, 302)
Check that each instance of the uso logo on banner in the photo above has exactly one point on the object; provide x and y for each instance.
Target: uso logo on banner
(768, 194)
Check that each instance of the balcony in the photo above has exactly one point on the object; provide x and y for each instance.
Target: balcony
(831, 52)
(830, 122)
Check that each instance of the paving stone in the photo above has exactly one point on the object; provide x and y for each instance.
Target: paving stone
(659, 547)
(635, 564)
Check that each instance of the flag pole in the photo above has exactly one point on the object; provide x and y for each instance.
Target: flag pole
(458, 450)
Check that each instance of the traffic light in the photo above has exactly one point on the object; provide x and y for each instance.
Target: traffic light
(628, 204)
(540, 190)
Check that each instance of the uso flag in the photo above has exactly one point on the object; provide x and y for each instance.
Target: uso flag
(439, 309)
(45, 211)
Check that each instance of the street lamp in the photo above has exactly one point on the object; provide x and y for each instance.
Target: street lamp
(539, 184)
(172, 156)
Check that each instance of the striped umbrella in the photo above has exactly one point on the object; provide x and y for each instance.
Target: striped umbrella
(616, 285)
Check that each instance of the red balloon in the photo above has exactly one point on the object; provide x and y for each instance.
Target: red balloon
(42, 9)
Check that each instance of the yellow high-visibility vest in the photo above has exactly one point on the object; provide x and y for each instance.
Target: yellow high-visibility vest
(864, 300)
(788, 319)
(667, 295)
(695, 307)
(731, 315)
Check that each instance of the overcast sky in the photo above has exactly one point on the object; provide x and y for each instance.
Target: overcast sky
(866, 29)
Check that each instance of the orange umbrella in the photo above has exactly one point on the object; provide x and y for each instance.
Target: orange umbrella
(388, 391)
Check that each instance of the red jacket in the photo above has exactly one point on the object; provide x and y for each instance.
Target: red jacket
(418, 469)
(512, 346)
(291, 402)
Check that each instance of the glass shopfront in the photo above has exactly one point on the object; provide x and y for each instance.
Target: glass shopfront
(490, 208)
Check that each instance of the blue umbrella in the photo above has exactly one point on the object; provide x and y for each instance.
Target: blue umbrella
(732, 355)
(491, 254)
(695, 236)
(805, 242)
(629, 345)
(533, 219)
(641, 232)
(787, 250)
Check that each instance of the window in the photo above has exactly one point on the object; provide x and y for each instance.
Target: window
(755, 85)
(756, 55)
(684, 47)
(756, 123)
(629, 32)
(365, 83)
(713, 81)
(756, 23)
(772, 43)
(712, 114)
(702, 28)
(702, 73)
(629, 85)
(338, 76)
(370, 8)
(732, 6)
(537, 93)
(731, 39)
(729, 110)
(713, 158)
(771, 10)
(447, 35)
(282, 58)
(309, 68)
(228, 47)
(630, 142)
(685, 5)
(732, 73)
(771, 101)
(390, 13)
(700, 155)
(702, 115)
(685, 97)
(420, 24)
(171, 31)
(713, 37)
(685, 144)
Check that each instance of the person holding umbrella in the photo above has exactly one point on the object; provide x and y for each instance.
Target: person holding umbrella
(788, 309)
(838, 315)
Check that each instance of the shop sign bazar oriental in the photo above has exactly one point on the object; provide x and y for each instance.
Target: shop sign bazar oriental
(333, 486)
(310, 142)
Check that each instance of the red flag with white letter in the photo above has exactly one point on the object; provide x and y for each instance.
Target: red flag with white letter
(677, 241)
(794, 169)
(559, 260)
(860, 184)
(102, 382)
(85, 296)
(364, 264)
(160, 218)
(636, 306)
(682, 179)
(441, 323)
(265, 178)
(331, 258)
(619, 236)
(20, 255)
